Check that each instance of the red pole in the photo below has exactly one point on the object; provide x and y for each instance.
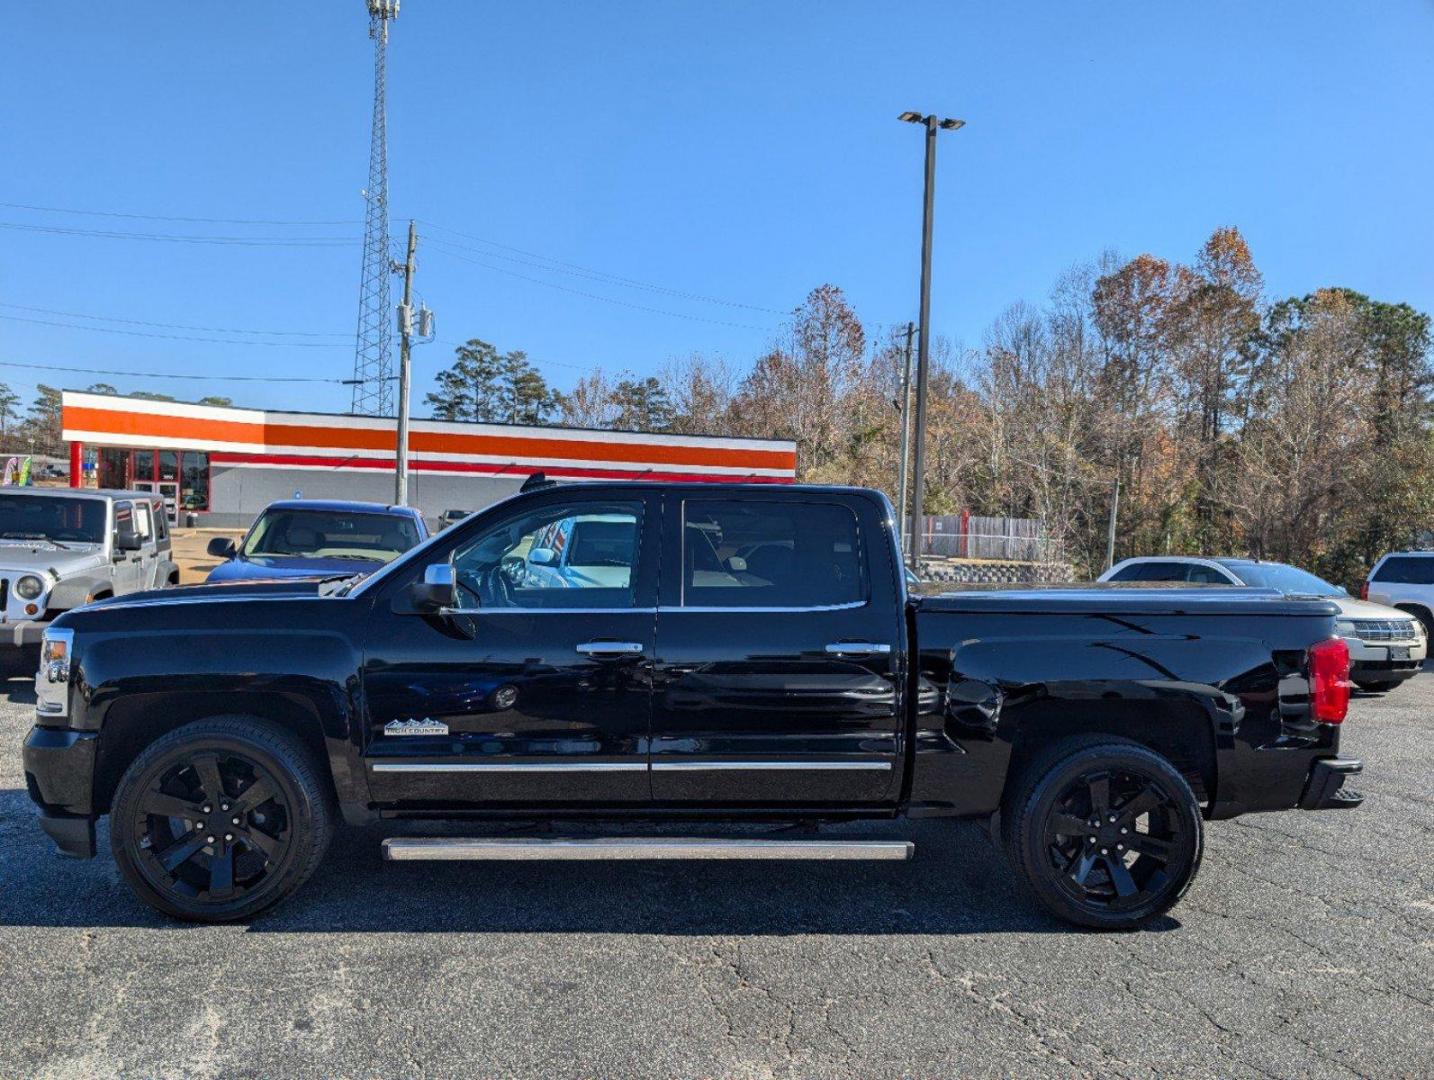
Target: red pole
(77, 464)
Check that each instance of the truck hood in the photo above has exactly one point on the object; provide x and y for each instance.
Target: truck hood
(234, 590)
(27, 559)
(270, 567)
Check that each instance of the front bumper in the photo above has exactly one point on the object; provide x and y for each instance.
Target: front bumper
(21, 634)
(1385, 662)
(1325, 790)
(59, 774)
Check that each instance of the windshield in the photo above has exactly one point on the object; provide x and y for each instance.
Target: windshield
(1286, 579)
(331, 534)
(46, 517)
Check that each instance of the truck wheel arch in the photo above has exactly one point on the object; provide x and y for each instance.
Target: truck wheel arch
(1186, 741)
(133, 723)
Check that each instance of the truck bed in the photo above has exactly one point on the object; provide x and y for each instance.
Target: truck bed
(1118, 599)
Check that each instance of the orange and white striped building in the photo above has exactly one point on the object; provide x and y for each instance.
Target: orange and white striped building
(227, 464)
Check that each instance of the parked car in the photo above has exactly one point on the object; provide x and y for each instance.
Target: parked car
(225, 731)
(452, 517)
(1386, 646)
(62, 547)
(1405, 580)
(317, 537)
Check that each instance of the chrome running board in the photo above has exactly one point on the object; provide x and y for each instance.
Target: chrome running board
(449, 848)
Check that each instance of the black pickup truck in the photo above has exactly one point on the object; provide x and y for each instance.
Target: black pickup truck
(717, 656)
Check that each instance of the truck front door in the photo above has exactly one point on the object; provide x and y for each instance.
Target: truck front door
(537, 690)
(780, 647)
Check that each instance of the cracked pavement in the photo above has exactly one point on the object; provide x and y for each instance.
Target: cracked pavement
(1304, 949)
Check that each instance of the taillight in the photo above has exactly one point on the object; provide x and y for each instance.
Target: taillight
(1329, 681)
(1364, 589)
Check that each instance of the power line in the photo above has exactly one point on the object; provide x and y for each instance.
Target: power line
(175, 326)
(162, 217)
(546, 262)
(177, 337)
(168, 374)
(592, 296)
(576, 269)
(174, 238)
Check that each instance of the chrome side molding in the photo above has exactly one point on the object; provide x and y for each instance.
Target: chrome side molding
(511, 848)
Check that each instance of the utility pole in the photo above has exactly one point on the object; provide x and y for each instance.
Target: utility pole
(405, 331)
(923, 353)
(905, 405)
(1110, 526)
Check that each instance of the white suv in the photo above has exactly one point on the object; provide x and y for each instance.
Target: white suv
(1405, 580)
(1386, 646)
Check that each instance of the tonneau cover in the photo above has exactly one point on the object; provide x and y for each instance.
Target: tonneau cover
(1118, 600)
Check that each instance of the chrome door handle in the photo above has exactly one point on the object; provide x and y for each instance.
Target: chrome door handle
(857, 648)
(610, 648)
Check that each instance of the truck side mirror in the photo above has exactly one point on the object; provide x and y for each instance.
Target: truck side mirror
(542, 556)
(127, 540)
(436, 591)
(221, 547)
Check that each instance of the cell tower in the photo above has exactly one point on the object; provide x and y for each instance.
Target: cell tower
(373, 394)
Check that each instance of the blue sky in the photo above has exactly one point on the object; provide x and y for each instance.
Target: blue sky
(742, 151)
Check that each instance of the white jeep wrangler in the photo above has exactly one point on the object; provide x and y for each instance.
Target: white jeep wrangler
(63, 547)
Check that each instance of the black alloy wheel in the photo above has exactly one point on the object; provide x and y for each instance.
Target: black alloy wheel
(1111, 836)
(219, 819)
(1108, 834)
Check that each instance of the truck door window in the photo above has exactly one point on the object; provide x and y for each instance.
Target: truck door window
(770, 554)
(569, 556)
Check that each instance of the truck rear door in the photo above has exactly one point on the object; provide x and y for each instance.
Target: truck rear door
(780, 651)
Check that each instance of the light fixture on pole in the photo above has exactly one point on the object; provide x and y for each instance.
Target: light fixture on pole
(932, 124)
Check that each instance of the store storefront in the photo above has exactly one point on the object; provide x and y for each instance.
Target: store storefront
(224, 465)
(180, 476)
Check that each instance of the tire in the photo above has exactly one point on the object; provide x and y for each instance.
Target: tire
(1376, 687)
(183, 855)
(1093, 875)
(1422, 614)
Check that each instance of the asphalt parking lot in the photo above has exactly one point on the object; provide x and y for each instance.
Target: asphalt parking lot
(1306, 948)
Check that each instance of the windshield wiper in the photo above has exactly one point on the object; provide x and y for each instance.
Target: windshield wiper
(32, 536)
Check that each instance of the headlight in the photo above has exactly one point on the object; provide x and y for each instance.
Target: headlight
(1418, 628)
(1345, 628)
(29, 587)
(52, 681)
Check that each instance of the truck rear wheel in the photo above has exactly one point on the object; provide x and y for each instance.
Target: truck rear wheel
(220, 819)
(1106, 833)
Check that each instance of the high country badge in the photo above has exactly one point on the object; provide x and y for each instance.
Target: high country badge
(426, 726)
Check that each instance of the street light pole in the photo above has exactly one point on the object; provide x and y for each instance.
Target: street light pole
(905, 406)
(923, 350)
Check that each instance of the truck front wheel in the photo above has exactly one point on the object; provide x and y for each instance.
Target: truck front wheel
(220, 819)
(1106, 833)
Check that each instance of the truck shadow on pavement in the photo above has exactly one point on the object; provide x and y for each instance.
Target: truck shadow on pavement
(18, 691)
(957, 884)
